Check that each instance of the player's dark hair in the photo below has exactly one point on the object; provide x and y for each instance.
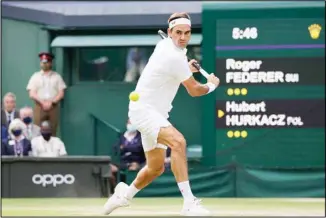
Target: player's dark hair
(178, 15)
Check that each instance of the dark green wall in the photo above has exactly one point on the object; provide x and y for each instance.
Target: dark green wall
(21, 43)
(109, 103)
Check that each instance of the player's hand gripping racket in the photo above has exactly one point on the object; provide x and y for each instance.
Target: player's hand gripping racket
(196, 65)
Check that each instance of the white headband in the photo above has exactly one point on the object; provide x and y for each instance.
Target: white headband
(179, 21)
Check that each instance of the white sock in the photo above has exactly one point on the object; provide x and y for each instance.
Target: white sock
(131, 191)
(186, 190)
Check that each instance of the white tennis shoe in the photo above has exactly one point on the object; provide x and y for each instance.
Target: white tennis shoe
(194, 208)
(118, 199)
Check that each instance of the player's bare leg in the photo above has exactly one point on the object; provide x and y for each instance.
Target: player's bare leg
(153, 169)
(124, 193)
(175, 140)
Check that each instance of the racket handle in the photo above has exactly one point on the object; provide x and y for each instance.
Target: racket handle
(204, 73)
(200, 69)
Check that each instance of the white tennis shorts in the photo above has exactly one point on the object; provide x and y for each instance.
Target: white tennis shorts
(148, 122)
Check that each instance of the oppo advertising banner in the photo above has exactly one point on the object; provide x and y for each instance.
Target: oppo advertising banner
(82, 178)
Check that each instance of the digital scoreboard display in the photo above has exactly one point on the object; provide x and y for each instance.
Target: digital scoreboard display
(271, 98)
(270, 32)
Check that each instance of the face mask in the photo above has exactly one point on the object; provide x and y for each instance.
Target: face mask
(16, 132)
(131, 128)
(46, 135)
(27, 120)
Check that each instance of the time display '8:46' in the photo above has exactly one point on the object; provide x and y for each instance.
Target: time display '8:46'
(248, 33)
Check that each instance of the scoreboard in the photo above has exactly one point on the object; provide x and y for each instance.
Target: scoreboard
(270, 107)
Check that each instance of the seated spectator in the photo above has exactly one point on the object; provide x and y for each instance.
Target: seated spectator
(17, 144)
(9, 112)
(132, 156)
(4, 134)
(131, 149)
(47, 145)
(31, 130)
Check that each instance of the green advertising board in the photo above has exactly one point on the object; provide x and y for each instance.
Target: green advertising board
(269, 110)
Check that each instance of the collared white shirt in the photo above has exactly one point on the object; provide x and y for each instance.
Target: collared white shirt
(47, 85)
(52, 148)
(31, 131)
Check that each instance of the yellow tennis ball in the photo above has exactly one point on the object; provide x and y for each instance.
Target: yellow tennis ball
(134, 96)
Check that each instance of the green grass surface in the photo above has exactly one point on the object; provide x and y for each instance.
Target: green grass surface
(165, 207)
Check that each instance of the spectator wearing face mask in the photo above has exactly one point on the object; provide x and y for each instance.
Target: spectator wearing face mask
(132, 155)
(17, 144)
(31, 130)
(131, 149)
(47, 145)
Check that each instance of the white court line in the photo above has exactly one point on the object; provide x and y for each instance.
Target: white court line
(84, 211)
(315, 200)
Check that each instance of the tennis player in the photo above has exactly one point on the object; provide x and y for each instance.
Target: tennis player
(166, 69)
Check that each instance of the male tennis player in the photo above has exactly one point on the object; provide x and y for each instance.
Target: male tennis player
(157, 87)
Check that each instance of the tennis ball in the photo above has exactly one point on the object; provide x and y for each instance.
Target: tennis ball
(133, 96)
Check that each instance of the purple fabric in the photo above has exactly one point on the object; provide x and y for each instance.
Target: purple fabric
(132, 151)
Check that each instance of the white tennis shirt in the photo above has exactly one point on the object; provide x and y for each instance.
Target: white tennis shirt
(159, 82)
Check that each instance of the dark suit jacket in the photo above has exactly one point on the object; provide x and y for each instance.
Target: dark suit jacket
(4, 134)
(4, 120)
(8, 149)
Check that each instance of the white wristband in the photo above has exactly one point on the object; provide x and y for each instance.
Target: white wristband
(211, 87)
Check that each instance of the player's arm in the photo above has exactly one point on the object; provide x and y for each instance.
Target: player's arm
(196, 89)
(184, 71)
